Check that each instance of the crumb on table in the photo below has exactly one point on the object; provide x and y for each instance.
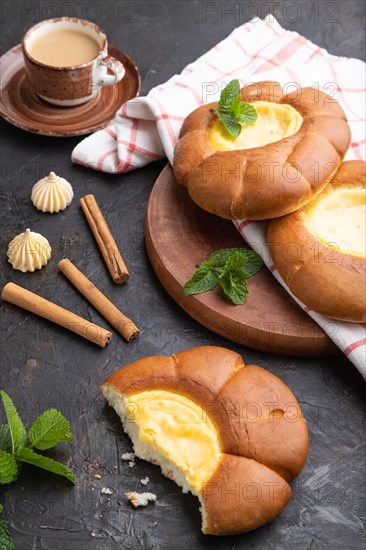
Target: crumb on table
(140, 499)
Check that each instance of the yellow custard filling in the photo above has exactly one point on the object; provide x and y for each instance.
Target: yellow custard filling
(180, 430)
(275, 121)
(338, 218)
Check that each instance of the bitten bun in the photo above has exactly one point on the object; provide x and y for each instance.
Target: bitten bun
(327, 274)
(265, 181)
(231, 434)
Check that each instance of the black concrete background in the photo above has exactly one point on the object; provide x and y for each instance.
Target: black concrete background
(43, 366)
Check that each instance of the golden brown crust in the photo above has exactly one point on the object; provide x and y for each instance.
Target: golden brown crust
(265, 421)
(327, 281)
(181, 370)
(263, 435)
(159, 371)
(270, 181)
(242, 495)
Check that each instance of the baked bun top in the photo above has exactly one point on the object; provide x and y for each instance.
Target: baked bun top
(320, 250)
(275, 166)
(213, 419)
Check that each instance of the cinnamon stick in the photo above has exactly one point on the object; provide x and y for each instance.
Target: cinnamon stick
(48, 310)
(116, 318)
(105, 241)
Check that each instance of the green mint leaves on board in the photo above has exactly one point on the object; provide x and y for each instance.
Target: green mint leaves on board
(228, 267)
(16, 445)
(232, 112)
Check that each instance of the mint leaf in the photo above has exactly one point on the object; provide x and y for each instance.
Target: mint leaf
(231, 125)
(233, 280)
(235, 262)
(232, 112)
(6, 542)
(8, 468)
(235, 107)
(202, 281)
(17, 429)
(29, 456)
(48, 429)
(247, 113)
(5, 438)
(228, 95)
(1, 508)
(221, 256)
(234, 285)
(254, 263)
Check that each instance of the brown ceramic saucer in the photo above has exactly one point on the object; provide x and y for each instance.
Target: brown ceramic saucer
(23, 108)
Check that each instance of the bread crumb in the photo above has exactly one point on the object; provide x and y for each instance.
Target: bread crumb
(144, 481)
(140, 499)
(128, 457)
(106, 491)
(97, 476)
(131, 464)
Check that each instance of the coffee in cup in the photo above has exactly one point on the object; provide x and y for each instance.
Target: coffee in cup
(64, 48)
(66, 61)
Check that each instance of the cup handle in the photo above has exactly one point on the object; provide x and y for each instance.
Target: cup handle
(101, 76)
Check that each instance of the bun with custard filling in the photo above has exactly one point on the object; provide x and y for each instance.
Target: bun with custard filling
(320, 250)
(233, 435)
(275, 166)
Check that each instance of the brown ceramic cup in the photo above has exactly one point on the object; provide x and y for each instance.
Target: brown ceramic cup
(68, 86)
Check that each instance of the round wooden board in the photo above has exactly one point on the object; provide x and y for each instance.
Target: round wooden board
(179, 235)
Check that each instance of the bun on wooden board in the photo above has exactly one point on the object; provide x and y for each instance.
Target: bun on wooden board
(307, 136)
(319, 250)
(231, 434)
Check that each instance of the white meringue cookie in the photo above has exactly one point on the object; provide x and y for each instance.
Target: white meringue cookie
(52, 193)
(29, 251)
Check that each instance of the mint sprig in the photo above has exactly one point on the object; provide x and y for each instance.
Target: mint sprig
(228, 267)
(48, 429)
(16, 447)
(232, 111)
